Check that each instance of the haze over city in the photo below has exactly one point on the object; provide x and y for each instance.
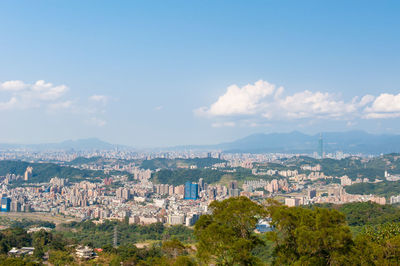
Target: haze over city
(177, 72)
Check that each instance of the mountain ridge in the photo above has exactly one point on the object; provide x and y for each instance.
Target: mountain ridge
(85, 144)
(356, 141)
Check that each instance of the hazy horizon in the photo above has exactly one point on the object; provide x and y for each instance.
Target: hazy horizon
(180, 145)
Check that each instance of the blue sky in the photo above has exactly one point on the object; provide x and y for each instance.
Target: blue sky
(161, 73)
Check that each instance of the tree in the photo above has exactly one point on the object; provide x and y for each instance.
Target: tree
(59, 257)
(378, 245)
(39, 252)
(11, 261)
(309, 236)
(184, 261)
(173, 248)
(14, 237)
(42, 238)
(226, 236)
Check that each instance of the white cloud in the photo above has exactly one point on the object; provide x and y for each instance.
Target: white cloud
(313, 104)
(366, 100)
(50, 98)
(25, 96)
(13, 85)
(264, 101)
(158, 108)
(240, 101)
(9, 104)
(384, 106)
(381, 115)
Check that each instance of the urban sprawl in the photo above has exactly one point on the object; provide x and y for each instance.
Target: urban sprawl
(136, 197)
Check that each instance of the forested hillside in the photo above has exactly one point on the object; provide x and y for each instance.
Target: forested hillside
(43, 172)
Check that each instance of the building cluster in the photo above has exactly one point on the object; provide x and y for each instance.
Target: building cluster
(338, 195)
(335, 194)
(273, 186)
(307, 167)
(8, 178)
(141, 201)
(346, 181)
(390, 177)
(394, 199)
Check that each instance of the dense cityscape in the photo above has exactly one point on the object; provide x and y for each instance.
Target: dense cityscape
(176, 188)
(134, 194)
(199, 133)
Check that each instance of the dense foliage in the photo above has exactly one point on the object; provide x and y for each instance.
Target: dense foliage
(26, 223)
(369, 213)
(302, 236)
(226, 237)
(102, 234)
(365, 213)
(309, 236)
(14, 237)
(7, 261)
(43, 172)
(180, 176)
(84, 160)
(353, 167)
(386, 188)
(378, 245)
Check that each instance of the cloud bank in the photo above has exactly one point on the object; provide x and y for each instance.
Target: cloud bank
(41, 95)
(265, 101)
(26, 96)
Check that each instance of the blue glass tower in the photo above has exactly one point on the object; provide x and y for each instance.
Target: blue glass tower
(5, 204)
(191, 191)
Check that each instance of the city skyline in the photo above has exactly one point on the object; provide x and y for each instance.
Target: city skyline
(165, 74)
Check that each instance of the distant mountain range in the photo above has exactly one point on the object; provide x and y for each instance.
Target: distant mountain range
(78, 145)
(293, 142)
(297, 142)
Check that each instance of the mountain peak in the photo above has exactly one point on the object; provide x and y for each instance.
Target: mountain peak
(297, 142)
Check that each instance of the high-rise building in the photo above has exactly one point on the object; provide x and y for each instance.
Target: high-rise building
(312, 193)
(118, 192)
(292, 202)
(15, 206)
(125, 194)
(28, 173)
(171, 190)
(201, 184)
(320, 147)
(191, 191)
(233, 185)
(212, 193)
(5, 204)
(234, 192)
